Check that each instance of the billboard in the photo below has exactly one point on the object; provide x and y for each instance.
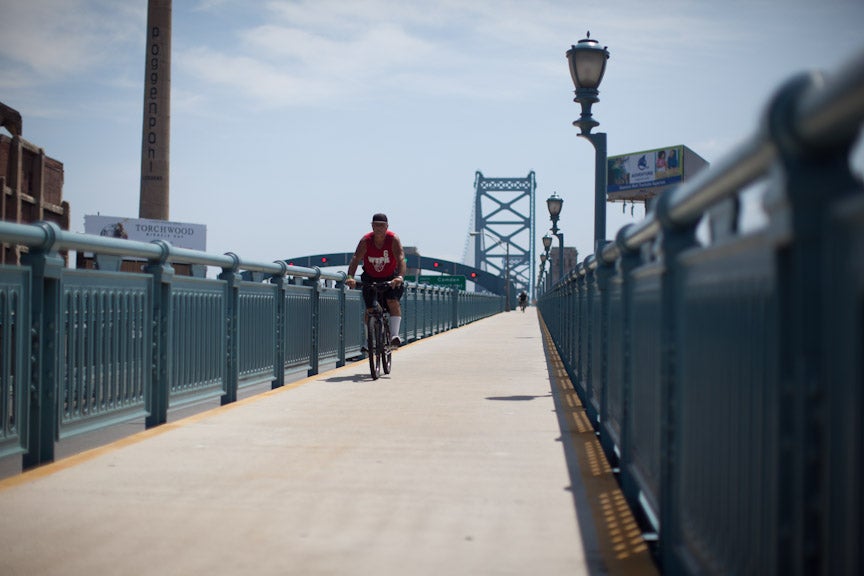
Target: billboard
(180, 234)
(640, 176)
(645, 170)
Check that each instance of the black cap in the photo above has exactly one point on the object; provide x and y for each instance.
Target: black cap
(379, 218)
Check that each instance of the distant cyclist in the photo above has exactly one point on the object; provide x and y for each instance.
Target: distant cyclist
(383, 260)
(523, 300)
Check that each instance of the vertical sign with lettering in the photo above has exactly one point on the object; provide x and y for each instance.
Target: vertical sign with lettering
(157, 113)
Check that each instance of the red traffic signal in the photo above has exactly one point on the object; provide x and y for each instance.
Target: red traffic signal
(323, 259)
(435, 264)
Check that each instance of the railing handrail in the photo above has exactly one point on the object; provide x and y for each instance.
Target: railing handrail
(48, 236)
(722, 376)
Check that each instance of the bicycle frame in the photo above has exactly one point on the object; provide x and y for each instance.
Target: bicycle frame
(378, 333)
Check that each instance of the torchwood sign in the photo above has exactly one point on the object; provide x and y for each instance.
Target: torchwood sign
(180, 234)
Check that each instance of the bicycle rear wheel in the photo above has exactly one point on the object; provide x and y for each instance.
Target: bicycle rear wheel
(372, 336)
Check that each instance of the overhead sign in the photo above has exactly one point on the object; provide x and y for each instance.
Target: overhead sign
(447, 281)
(180, 234)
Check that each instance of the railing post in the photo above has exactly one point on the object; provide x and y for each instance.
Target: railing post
(46, 267)
(569, 327)
(819, 482)
(675, 239)
(591, 342)
(436, 309)
(162, 275)
(281, 283)
(581, 328)
(433, 312)
(628, 262)
(444, 309)
(232, 336)
(421, 311)
(315, 296)
(341, 360)
(415, 307)
(454, 297)
(604, 274)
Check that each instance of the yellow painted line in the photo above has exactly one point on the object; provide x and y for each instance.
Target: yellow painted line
(88, 455)
(619, 537)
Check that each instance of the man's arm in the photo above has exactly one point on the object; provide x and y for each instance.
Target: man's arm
(359, 253)
(399, 254)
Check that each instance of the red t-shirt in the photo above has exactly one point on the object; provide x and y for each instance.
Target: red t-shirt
(380, 262)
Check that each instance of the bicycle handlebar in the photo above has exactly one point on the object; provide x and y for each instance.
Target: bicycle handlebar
(378, 285)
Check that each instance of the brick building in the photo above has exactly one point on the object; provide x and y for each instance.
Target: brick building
(571, 260)
(32, 187)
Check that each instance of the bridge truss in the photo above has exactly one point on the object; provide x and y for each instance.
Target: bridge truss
(504, 218)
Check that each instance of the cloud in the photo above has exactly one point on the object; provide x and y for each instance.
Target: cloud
(40, 47)
(333, 53)
(263, 82)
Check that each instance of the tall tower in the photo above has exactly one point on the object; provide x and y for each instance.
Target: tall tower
(156, 131)
(504, 220)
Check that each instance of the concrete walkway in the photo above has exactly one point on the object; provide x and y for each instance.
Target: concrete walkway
(454, 464)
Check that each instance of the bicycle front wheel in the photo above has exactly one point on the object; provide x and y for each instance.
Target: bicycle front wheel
(386, 359)
(372, 336)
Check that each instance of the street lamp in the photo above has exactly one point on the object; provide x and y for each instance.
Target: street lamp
(554, 204)
(547, 243)
(543, 258)
(547, 246)
(506, 263)
(587, 64)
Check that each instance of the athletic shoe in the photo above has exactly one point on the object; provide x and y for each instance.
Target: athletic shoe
(396, 342)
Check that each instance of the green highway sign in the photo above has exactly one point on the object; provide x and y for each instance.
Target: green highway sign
(446, 281)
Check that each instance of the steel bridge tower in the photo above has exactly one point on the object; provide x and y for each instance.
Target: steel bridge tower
(504, 218)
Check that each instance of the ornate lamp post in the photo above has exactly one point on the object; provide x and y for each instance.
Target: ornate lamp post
(587, 64)
(554, 204)
(540, 279)
(547, 246)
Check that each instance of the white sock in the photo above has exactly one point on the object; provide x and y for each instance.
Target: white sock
(395, 321)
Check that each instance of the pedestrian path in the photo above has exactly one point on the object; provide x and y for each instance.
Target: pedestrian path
(473, 457)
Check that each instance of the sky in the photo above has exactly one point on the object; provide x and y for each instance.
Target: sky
(293, 121)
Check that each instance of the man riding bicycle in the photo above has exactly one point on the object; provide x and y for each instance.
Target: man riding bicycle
(383, 260)
(523, 300)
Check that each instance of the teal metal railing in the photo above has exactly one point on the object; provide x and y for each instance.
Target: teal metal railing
(724, 375)
(81, 349)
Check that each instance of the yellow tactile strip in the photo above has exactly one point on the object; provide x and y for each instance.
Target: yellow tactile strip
(618, 534)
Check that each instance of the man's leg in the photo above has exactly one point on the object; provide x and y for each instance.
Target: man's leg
(369, 301)
(395, 320)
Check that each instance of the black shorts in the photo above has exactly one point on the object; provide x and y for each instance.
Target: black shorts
(369, 292)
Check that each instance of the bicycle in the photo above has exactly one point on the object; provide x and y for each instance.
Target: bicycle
(378, 333)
